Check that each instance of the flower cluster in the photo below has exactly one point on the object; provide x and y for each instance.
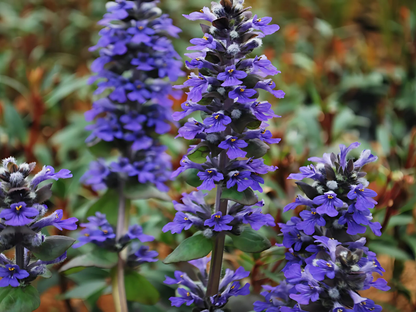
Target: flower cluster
(232, 135)
(194, 292)
(22, 218)
(277, 299)
(101, 233)
(195, 212)
(135, 57)
(327, 261)
(226, 91)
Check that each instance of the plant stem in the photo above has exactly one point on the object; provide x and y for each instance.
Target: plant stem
(20, 256)
(119, 291)
(218, 248)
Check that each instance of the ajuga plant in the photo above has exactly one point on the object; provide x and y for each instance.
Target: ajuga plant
(232, 138)
(134, 71)
(23, 210)
(328, 262)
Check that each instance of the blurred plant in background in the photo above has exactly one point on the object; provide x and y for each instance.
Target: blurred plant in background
(349, 73)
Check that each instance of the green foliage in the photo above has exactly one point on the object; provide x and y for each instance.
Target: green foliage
(107, 204)
(139, 289)
(334, 94)
(256, 148)
(144, 191)
(199, 153)
(194, 247)
(246, 197)
(99, 258)
(192, 178)
(250, 241)
(53, 247)
(19, 299)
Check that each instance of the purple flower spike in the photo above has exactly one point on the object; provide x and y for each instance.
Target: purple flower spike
(185, 297)
(199, 84)
(136, 232)
(204, 14)
(223, 89)
(219, 222)
(191, 129)
(241, 178)
(144, 255)
(262, 25)
(242, 95)
(68, 224)
(10, 275)
(48, 173)
(181, 222)
(363, 196)
(18, 214)
(322, 268)
(338, 210)
(366, 306)
(135, 67)
(217, 122)
(233, 145)
(231, 76)
(206, 42)
(327, 203)
(310, 219)
(141, 33)
(209, 177)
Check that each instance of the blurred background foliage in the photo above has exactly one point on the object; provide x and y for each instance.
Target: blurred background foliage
(349, 73)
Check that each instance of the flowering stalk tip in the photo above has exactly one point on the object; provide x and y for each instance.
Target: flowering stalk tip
(327, 262)
(233, 137)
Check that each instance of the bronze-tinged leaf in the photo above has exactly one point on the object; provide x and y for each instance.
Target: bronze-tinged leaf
(205, 28)
(227, 4)
(330, 174)
(44, 193)
(350, 166)
(221, 23)
(246, 37)
(309, 191)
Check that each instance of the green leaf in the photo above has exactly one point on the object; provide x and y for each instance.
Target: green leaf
(14, 124)
(246, 197)
(65, 88)
(393, 251)
(199, 153)
(53, 247)
(47, 274)
(256, 148)
(246, 120)
(192, 178)
(86, 289)
(402, 219)
(101, 149)
(411, 241)
(99, 258)
(107, 204)
(383, 137)
(139, 289)
(19, 299)
(194, 247)
(250, 241)
(144, 191)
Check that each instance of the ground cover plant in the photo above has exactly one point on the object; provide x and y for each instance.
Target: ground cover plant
(175, 131)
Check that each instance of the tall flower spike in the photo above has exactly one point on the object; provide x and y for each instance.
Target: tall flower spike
(22, 211)
(136, 62)
(136, 66)
(329, 264)
(232, 133)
